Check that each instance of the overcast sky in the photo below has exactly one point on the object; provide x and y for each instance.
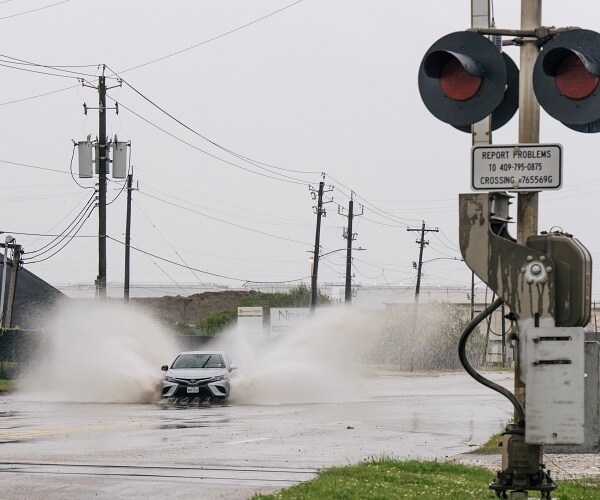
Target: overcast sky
(320, 86)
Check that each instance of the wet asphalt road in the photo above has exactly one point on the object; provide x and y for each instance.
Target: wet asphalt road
(85, 450)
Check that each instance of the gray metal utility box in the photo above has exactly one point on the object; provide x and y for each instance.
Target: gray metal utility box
(573, 276)
(592, 401)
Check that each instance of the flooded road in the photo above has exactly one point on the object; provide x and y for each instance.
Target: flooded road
(82, 450)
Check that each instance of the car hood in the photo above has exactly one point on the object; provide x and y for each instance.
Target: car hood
(197, 373)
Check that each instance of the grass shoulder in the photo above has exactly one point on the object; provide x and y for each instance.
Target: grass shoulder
(391, 479)
(492, 446)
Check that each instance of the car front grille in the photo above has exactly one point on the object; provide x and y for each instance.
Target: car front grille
(181, 392)
(193, 381)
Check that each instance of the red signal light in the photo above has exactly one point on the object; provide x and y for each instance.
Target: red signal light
(456, 82)
(573, 80)
(463, 78)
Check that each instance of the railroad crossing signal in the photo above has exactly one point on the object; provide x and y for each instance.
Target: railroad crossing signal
(464, 77)
(566, 77)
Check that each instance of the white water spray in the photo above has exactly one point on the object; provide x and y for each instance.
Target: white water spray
(99, 352)
(319, 361)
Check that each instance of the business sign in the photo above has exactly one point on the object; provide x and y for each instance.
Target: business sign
(250, 320)
(285, 319)
(516, 167)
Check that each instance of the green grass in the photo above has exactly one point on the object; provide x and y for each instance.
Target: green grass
(6, 385)
(491, 446)
(390, 479)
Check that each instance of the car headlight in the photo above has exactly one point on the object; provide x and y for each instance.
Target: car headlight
(219, 377)
(169, 379)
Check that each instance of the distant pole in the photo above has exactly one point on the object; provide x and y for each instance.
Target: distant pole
(315, 268)
(421, 247)
(421, 242)
(128, 237)
(349, 238)
(472, 295)
(7, 241)
(18, 250)
(101, 281)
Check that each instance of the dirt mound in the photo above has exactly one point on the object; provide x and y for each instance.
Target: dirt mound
(189, 309)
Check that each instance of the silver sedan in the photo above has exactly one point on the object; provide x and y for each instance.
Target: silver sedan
(198, 374)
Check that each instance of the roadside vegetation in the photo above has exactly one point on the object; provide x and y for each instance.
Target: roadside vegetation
(296, 297)
(390, 479)
(492, 446)
(6, 385)
(214, 322)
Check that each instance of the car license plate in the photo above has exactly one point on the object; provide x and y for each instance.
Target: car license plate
(193, 389)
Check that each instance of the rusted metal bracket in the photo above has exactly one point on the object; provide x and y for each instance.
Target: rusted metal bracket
(523, 277)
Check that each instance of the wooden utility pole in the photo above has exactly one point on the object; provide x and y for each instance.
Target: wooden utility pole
(320, 211)
(101, 280)
(421, 242)
(17, 252)
(350, 237)
(315, 267)
(128, 237)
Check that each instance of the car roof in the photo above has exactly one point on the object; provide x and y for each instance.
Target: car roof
(203, 352)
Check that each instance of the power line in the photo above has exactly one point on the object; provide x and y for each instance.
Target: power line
(298, 181)
(222, 220)
(451, 246)
(70, 239)
(34, 10)
(33, 166)
(61, 220)
(252, 161)
(201, 270)
(221, 256)
(45, 235)
(149, 62)
(16, 60)
(67, 230)
(37, 95)
(28, 70)
(166, 240)
(378, 211)
(171, 278)
(273, 220)
(213, 38)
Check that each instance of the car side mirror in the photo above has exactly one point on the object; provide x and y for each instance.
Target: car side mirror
(164, 368)
(231, 368)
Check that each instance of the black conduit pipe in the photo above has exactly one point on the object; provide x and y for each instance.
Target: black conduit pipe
(462, 354)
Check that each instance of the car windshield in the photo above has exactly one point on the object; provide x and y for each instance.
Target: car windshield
(199, 361)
